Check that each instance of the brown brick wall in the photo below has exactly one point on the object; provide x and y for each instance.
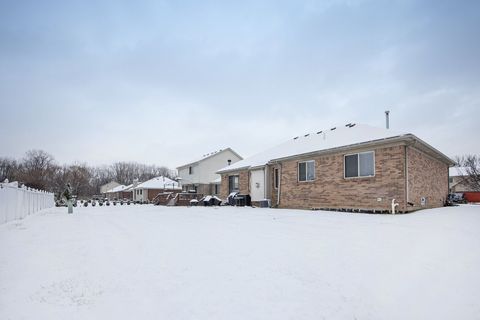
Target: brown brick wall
(243, 183)
(224, 186)
(203, 188)
(331, 190)
(427, 177)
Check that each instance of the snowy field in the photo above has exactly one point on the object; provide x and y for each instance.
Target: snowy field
(146, 262)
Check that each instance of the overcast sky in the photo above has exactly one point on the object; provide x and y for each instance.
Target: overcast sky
(165, 82)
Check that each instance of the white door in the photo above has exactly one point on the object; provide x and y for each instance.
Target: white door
(257, 184)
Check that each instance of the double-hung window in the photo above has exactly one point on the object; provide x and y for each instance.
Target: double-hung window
(360, 164)
(306, 170)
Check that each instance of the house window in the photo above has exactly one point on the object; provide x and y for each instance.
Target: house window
(233, 184)
(450, 180)
(216, 189)
(190, 170)
(360, 165)
(275, 178)
(306, 171)
(141, 191)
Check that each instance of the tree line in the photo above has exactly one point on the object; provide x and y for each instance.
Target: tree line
(39, 169)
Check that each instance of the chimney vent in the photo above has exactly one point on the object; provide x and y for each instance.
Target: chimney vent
(387, 119)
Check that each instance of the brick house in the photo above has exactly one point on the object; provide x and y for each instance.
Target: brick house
(353, 167)
(457, 182)
(200, 175)
(148, 190)
(120, 192)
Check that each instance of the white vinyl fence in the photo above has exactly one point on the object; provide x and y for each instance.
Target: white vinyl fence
(17, 203)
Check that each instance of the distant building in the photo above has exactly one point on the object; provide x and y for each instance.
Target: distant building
(148, 190)
(456, 180)
(457, 184)
(200, 175)
(120, 192)
(108, 186)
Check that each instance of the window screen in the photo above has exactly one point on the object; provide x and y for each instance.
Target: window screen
(351, 166)
(302, 171)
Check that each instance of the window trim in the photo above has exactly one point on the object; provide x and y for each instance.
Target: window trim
(306, 171)
(358, 165)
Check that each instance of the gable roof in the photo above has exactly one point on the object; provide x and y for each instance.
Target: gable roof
(160, 182)
(349, 136)
(208, 156)
(120, 188)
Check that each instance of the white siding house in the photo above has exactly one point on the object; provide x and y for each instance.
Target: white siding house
(200, 175)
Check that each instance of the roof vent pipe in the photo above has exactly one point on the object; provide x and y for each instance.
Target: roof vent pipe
(387, 119)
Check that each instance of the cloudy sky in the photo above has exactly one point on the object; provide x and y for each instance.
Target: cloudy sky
(164, 82)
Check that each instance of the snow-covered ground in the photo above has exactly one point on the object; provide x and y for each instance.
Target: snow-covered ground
(146, 262)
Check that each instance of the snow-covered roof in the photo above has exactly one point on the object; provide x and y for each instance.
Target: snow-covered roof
(339, 137)
(120, 188)
(209, 155)
(216, 181)
(458, 171)
(160, 182)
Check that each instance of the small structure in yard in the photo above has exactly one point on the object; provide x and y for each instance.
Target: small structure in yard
(350, 168)
(68, 196)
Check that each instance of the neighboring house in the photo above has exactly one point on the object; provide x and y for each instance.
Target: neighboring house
(120, 192)
(457, 184)
(108, 186)
(456, 180)
(353, 167)
(148, 190)
(201, 176)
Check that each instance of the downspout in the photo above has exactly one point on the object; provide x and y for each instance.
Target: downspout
(279, 184)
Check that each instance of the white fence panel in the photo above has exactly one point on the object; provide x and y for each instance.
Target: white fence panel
(17, 203)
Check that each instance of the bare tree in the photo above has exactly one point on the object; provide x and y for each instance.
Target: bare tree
(37, 170)
(79, 177)
(126, 172)
(471, 164)
(8, 169)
